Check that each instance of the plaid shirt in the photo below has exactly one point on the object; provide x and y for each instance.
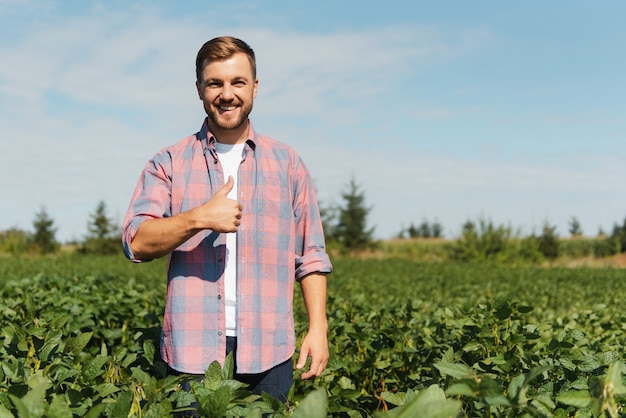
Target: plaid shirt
(280, 240)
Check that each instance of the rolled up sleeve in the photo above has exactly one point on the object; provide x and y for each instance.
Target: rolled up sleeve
(150, 200)
(311, 256)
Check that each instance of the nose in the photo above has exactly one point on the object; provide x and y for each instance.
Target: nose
(227, 92)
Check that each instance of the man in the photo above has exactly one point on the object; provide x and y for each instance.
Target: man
(237, 214)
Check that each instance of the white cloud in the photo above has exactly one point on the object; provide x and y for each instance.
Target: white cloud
(88, 99)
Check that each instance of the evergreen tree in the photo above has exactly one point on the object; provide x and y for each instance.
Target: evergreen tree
(100, 226)
(424, 229)
(412, 231)
(549, 241)
(436, 230)
(351, 230)
(101, 237)
(574, 227)
(619, 236)
(44, 239)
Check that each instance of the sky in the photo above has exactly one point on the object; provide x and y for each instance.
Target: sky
(442, 111)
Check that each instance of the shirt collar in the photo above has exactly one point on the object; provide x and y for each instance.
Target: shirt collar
(208, 140)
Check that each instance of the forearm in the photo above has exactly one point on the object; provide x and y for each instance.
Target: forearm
(158, 237)
(314, 294)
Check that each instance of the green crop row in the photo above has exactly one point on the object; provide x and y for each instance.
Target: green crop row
(79, 337)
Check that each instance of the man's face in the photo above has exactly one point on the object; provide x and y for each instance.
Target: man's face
(227, 90)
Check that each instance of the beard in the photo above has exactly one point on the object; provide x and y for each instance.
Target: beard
(228, 124)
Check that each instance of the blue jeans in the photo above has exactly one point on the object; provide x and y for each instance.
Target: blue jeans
(276, 381)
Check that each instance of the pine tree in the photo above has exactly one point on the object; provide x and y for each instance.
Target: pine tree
(412, 231)
(574, 227)
(44, 239)
(437, 230)
(424, 229)
(100, 226)
(101, 237)
(549, 241)
(351, 230)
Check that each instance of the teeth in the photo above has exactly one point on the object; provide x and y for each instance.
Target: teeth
(226, 108)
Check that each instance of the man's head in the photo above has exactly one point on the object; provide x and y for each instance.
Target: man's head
(221, 48)
(227, 85)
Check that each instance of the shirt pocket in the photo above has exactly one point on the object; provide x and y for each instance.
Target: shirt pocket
(274, 198)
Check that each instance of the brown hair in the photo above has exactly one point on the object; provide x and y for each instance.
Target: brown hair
(221, 48)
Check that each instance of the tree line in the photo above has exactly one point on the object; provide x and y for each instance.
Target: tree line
(346, 227)
(103, 235)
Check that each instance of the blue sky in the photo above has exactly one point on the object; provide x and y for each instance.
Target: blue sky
(444, 111)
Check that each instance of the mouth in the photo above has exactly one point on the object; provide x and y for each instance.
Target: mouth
(227, 108)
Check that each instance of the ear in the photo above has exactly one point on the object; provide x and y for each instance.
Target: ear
(199, 89)
(255, 88)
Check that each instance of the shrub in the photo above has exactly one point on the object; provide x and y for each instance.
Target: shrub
(484, 241)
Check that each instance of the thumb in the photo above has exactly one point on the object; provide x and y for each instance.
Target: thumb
(226, 188)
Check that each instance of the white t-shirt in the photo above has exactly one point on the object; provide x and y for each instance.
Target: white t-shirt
(230, 157)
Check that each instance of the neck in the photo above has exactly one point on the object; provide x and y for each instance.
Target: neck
(237, 135)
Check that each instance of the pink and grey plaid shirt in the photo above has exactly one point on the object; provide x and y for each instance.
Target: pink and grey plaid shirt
(280, 240)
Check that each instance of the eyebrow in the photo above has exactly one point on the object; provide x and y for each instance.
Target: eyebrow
(234, 80)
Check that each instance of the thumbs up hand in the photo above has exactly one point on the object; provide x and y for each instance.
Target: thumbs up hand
(220, 213)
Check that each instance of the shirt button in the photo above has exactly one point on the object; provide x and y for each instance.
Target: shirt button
(219, 333)
(219, 296)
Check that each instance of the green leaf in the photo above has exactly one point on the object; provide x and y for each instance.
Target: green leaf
(537, 371)
(33, 402)
(93, 368)
(382, 364)
(58, 408)
(517, 390)
(59, 322)
(53, 343)
(589, 364)
(346, 383)
(457, 370)
(105, 389)
(392, 398)
(228, 370)
(314, 405)
(38, 380)
(577, 398)
(504, 312)
(463, 388)
(77, 344)
(97, 411)
(149, 351)
(472, 346)
(430, 403)
(5, 413)
(22, 409)
(121, 407)
(614, 378)
(497, 400)
(214, 403)
(213, 376)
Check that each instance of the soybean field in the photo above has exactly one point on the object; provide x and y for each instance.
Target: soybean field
(79, 337)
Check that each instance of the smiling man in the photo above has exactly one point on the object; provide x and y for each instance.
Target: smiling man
(237, 215)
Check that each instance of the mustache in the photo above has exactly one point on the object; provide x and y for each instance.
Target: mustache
(227, 103)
